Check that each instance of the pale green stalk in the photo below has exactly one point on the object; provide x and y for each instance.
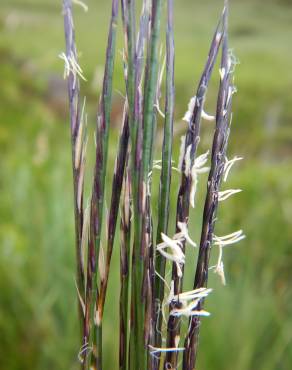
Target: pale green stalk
(165, 179)
(92, 314)
(125, 253)
(139, 342)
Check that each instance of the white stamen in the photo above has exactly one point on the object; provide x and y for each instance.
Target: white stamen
(184, 233)
(187, 296)
(82, 4)
(71, 66)
(196, 170)
(219, 267)
(176, 254)
(189, 301)
(219, 270)
(207, 116)
(200, 161)
(228, 239)
(67, 65)
(228, 165)
(175, 244)
(221, 242)
(189, 310)
(170, 242)
(189, 113)
(223, 195)
(154, 350)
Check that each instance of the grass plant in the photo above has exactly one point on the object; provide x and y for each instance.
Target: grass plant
(153, 304)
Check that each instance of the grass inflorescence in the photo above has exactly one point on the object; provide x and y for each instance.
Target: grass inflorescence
(153, 303)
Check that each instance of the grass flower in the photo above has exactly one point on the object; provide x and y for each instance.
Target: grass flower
(71, 66)
(176, 255)
(222, 242)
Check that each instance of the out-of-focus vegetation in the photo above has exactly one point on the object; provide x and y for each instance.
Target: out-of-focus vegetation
(251, 322)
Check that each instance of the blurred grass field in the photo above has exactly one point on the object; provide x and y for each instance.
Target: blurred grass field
(251, 323)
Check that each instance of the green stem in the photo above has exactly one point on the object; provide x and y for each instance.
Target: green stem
(76, 137)
(93, 315)
(165, 179)
(139, 342)
(125, 275)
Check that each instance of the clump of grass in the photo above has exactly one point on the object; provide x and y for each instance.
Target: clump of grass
(152, 305)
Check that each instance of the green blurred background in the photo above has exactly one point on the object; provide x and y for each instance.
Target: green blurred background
(251, 323)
